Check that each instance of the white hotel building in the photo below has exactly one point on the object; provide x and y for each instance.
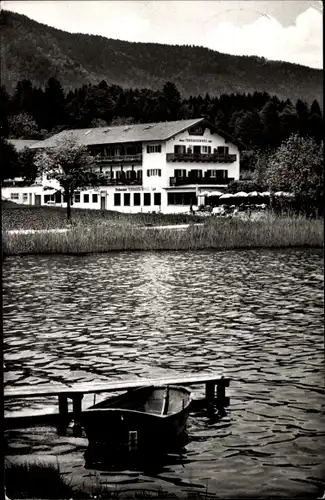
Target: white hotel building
(156, 167)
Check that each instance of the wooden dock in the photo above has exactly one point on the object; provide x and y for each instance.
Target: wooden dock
(215, 395)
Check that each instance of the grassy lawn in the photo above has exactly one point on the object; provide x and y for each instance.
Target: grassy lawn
(16, 216)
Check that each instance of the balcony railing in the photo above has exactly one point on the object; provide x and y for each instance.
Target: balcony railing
(190, 179)
(122, 181)
(205, 158)
(137, 158)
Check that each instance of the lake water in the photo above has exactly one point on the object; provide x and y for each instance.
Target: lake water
(255, 316)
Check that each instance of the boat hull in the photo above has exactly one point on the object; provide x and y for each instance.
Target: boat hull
(138, 425)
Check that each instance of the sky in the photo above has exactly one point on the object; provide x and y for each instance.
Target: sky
(286, 30)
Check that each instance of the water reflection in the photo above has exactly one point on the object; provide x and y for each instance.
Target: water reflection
(255, 316)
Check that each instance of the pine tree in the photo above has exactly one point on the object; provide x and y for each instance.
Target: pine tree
(4, 112)
(54, 103)
(271, 124)
(8, 160)
(289, 121)
(315, 109)
(172, 101)
(22, 99)
(303, 115)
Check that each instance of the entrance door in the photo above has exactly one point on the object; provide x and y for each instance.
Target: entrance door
(103, 202)
(197, 150)
(38, 199)
(30, 198)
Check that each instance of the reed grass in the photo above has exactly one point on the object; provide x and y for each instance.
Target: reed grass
(36, 480)
(215, 233)
(41, 480)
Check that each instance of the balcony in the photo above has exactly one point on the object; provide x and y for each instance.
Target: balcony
(137, 158)
(121, 181)
(204, 158)
(191, 179)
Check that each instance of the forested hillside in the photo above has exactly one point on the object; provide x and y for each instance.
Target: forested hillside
(34, 51)
(258, 120)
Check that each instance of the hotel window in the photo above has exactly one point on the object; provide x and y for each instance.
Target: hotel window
(155, 148)
(117, 199)
(58, 197)
(119, 174)
(206, 150)
(86, 198)
(77, 197)
(154, 172)
(95, 198)
(199, 130)
(182, 199)
(126, 199)
(157, 198)
(25, 196)
(14, 196)
(128, 174)
(223, 150)
(221, 175)
(48, 197)
(198, 174)
(147, 199)
(179, 173)
(98, 151)
(137, 199)
(213, 173)
(179, 149)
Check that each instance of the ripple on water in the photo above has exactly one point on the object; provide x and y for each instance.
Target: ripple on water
(256, 316)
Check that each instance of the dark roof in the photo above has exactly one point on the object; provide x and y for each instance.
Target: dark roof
(140, 132)
(20, 144)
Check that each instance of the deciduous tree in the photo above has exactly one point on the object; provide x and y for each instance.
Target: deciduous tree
(71, 165)
(23, 126)
(298, 167)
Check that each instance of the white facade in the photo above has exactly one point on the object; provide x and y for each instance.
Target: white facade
(169, 178)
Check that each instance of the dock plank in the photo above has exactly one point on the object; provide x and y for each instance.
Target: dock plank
(90, 388)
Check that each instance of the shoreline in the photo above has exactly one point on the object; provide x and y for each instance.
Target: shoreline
(44, 230)
(238, 236)
(66, 230)
(214, 234)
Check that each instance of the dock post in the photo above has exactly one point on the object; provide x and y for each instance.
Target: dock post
(63, 414)
(209, 393)
(76, 403)
(77, 408)
(133, 440)
(222, 400)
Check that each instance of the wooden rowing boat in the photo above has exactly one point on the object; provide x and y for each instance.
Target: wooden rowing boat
(141, 419)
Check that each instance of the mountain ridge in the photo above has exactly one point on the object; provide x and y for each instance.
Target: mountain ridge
(42, 51)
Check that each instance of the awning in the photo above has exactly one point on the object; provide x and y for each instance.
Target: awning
(241, 194)
(227, 195)
(284, 194)
(210, 192)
